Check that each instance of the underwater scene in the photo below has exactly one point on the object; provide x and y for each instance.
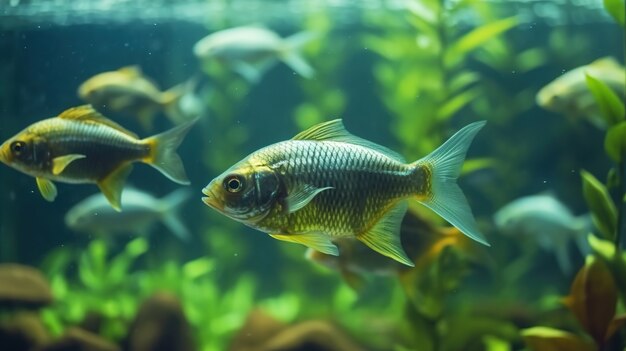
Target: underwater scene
(312, 175)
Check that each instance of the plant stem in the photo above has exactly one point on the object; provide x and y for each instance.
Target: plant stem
(621, 208)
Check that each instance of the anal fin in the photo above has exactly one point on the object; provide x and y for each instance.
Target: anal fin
(111, 186)
(47, 188)
(384, 236)
(316, 240)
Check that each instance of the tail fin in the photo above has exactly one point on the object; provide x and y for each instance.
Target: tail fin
(291, 54)
(171, 98)
(163, 154)
(447, 199)
(169, 207)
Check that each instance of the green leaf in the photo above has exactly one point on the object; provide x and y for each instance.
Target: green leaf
(603, 211)
(478, 37)
(611, 106)
(550, 339)
(453, 105)
(593, 298)
(615, 142)
(617, 9)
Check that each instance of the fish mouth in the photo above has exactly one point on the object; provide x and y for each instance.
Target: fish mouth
(210, 199)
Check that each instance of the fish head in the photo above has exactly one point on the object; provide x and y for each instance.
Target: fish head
(23, 152)
(554, 97)
(245, 192)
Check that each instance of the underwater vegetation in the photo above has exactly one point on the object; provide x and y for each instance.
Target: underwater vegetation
(546, 173)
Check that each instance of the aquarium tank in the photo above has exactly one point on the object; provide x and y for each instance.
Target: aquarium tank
(312, 175)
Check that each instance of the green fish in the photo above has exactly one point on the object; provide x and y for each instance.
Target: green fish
(326, 184)
(82, 146)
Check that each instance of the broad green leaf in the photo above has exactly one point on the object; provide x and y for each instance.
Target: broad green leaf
(610, 104)
(462, 80)
(478, 37)
(617, 9)
(602, 248)
(198, 267)
(421, 11)
(615, 142)
(593, 298)
(550, 339)
(456, 103)
(603, 211)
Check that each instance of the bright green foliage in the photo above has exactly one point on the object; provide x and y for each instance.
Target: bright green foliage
(610, 105)
(617, 9)
(421, 76)
(615, 142)
(601, 205)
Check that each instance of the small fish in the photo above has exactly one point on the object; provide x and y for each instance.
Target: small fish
(141, 211)
(569, 95)
(250, 51)
(128, 91)
(549, 223)
(327, 184)
(82, 146)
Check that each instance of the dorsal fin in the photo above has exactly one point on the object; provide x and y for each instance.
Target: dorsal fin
(335, 131)
(87, 113)
(131, 71)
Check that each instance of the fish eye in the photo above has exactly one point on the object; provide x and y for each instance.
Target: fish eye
(233, 183)
(17, 147)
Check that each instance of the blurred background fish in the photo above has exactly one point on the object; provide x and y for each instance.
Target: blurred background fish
(422, 240)
(129, 92)
(142, 211)
(83, 146)
(547, 222)
(250, 51)
(569, 95)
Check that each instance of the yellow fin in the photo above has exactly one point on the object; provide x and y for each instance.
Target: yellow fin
(131, 71)
(87, 113)
(59, 163)
(163, 154)
(315, 240)
(111, 186)
(384, 237)
(47, 188)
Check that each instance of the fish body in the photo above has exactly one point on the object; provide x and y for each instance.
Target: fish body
(128, 91)
(326, 184)
(569, 95)
(82, 146)
(250, 51)
(141, 212)
(548, 222)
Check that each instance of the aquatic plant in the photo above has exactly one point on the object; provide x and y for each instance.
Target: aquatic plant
(110, 289)
(601, 282)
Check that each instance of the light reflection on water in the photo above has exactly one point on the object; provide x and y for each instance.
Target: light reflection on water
(214, 13)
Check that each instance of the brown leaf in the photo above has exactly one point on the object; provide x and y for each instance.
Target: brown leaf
(616, 323)
(593, 298)
(548, 339)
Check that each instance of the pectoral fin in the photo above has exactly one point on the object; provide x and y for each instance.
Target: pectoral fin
(59, 163)
(301, 195)
(47, 188)
(384, 237)
(315, 240)
(111, 186)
